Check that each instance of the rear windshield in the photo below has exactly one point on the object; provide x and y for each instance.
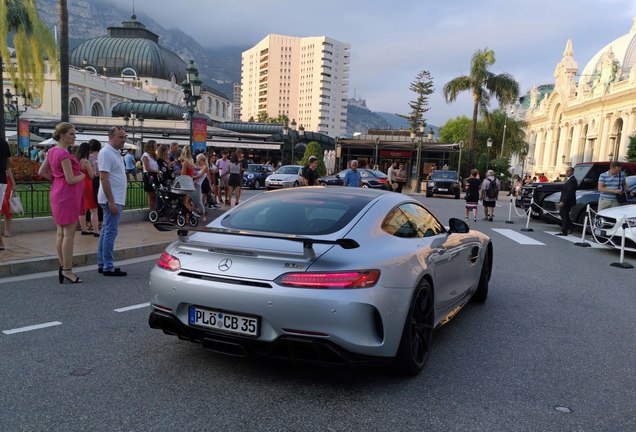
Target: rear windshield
(288, 169)
(297, 213)
(449, 175)
(378, 174)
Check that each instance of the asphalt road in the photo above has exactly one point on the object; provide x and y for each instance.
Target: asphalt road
(552, 349)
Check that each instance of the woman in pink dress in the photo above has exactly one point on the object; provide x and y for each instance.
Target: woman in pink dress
(67, 196)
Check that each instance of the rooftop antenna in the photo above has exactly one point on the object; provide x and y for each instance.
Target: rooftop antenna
(134, 16)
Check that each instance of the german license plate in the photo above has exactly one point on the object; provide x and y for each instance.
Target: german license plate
(223, 321)
(442, 190)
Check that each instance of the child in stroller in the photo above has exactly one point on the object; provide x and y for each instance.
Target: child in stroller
(171, 203)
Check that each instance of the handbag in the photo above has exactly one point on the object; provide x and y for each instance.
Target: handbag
(622, 197)
(15, 205)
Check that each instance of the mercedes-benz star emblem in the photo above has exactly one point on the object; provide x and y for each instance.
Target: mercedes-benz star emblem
(225, 264)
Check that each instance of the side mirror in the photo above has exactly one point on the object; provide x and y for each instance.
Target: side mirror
(458, 226)
(337, 176)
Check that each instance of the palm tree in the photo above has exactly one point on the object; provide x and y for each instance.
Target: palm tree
(33, 43)
(482, 84)
(64, 59)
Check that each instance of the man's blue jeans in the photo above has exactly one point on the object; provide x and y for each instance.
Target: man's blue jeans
(106, 244)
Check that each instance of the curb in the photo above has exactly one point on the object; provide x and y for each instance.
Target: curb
(51, 263)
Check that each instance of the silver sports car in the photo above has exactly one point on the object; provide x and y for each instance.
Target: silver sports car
(327, 274)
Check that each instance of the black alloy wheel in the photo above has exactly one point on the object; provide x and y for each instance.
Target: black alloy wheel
(415, 345)
(481, 294)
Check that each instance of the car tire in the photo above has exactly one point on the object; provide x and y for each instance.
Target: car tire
(256, 184)
(181, 221)
(481, 294)
(429, 195)
(153, 216)
(296, 184)
(415, 345)
(193, 221)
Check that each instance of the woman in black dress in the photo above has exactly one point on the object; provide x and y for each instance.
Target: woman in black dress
(472, 194)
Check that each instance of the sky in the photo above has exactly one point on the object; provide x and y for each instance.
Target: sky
(392, 41)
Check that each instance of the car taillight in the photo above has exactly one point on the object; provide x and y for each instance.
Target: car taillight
(383, 180)
(349, 279)
(168, 262)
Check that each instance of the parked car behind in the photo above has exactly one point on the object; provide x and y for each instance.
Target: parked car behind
(371, 178)
(608, 226)
(284, 177)
(583, 198)
(255, 175)
(443, 182)
(586, 174)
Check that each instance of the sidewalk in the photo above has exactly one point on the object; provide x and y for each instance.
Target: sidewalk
(31, 248)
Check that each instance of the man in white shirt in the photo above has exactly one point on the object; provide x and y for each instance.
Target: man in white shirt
(111, 197)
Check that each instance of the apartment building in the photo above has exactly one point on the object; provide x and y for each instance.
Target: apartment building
(306, 79)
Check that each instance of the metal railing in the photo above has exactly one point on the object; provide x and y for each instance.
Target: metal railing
(35, 197)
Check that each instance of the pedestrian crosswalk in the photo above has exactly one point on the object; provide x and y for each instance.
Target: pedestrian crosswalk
(524, 239)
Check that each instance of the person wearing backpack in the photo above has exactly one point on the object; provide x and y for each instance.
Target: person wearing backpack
(489, 193)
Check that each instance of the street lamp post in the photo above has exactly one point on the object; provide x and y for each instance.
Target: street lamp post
(301, 137)
(489, 146)
(459, 160)
(134, 118)
(191, 94)
(338, 154)
(289, 135)
(503, 139)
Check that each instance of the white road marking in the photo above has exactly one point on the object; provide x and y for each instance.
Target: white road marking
(577, 238)
(129, 308)
(31, 327)
(88, 268)
(517, 237)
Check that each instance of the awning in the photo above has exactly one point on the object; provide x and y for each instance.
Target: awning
(243, 144)
(33, 137)
(80, 138)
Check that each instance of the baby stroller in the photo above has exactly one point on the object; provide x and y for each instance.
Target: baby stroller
(171, 205)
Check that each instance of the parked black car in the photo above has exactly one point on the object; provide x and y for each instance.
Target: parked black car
(586, 174)
(254, 177)
(583, 198)
(370, 179)
(443, 182)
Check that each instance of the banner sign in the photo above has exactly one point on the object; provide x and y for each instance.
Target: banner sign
(24, 136)
(396, 153)
(199, 134)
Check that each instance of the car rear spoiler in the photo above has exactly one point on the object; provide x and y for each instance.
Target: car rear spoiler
(307, 242)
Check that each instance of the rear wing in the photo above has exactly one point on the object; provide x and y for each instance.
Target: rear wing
(307, 242)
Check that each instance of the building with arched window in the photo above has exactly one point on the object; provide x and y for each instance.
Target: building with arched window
(590, 119)
(126, 65)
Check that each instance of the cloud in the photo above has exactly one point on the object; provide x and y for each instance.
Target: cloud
(393, 41)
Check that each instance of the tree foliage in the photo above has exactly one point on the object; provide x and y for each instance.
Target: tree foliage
(422, 86)
(455, 130)
(314, 149)
(483, 85)
(33, 42)
(631, 149)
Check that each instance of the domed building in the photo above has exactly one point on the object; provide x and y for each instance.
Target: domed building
(589, 120)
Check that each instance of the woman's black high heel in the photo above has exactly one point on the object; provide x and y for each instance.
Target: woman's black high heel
(62, 276)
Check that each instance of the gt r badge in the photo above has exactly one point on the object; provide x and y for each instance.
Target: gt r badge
(292, 265)
(225, 264)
